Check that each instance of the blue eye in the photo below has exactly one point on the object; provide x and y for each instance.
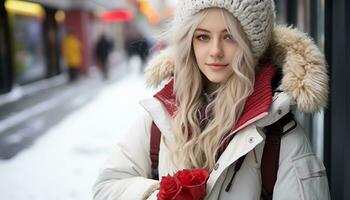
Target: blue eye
(202, 37)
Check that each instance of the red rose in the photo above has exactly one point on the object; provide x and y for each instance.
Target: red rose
(192, 177)
(193, 183)
(169, 187)
(184, 185)
(185, 177)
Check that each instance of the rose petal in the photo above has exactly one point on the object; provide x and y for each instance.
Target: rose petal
(185, 177)
(196, 192)
(200, 176)
(169, 187)
(187, 184)
(192, 177)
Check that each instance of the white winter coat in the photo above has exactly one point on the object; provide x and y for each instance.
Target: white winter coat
(301, 175)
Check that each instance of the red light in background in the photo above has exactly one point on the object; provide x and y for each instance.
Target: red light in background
(117, 16)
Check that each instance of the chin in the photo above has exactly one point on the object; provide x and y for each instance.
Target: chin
(216, 80)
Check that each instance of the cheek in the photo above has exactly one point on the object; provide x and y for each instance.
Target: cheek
(230, 51)
(199, 52)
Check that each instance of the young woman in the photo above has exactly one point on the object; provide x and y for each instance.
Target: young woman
(223, 89)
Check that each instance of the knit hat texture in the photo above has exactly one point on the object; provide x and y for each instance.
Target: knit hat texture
(257, 17)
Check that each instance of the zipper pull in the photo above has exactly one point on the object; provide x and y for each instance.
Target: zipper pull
(255, 158)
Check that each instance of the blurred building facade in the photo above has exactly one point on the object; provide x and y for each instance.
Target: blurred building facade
(33, 33)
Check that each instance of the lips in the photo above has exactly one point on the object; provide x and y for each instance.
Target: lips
(216, 65)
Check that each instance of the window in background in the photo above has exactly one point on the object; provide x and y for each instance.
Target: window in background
(29, 52)
(317, 31)
(5, 53)
(26, 22)
(281, 11)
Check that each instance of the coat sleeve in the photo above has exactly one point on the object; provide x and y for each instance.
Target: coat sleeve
(301, 175)
(125, 174)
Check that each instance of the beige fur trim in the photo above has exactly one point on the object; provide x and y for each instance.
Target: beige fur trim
(305, 76)
(160, 68)
(304, 68)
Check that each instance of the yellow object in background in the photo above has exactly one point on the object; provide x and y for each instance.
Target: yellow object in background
(72, 51)
(25, 8)
(60, 16)
(149, 11)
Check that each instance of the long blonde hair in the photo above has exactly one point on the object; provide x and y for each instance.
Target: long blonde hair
(196, 148)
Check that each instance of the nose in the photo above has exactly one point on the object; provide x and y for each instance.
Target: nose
(216, 50)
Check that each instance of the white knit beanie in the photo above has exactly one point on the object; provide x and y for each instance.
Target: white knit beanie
(257, 17)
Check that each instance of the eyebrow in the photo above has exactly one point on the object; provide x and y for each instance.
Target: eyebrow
(205, 30)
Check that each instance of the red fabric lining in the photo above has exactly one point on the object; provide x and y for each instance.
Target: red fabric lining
(167, 97)
(257, 103)
(261, 98)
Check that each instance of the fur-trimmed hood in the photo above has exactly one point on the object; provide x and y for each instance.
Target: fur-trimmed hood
(304, 69)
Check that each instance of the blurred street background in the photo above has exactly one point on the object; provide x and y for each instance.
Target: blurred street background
(71, 73)
(48, 157)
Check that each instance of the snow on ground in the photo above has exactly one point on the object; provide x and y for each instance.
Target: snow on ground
(63, 164)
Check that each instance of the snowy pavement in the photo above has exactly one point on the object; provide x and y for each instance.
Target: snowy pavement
(63, 164)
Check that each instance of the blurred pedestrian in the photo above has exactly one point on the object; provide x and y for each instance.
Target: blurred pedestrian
(233, 77)
(103, 48)
(72, 55)
(135, 43)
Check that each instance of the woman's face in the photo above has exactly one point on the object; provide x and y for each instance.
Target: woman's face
(214, 47)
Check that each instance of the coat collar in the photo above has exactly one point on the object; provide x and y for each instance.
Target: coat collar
(257, 104)
(248, 139)
(304, 69)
